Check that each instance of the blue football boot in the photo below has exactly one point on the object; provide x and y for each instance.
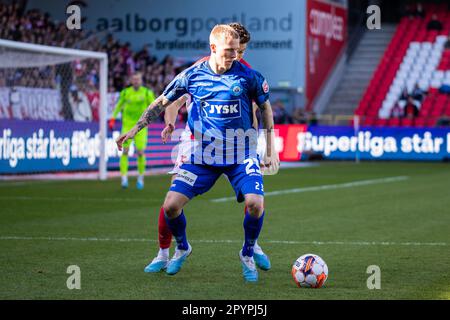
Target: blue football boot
(248, 268)
(177, 260)
(158, 264)
(140, 183)
(261, 260)
(124, 182)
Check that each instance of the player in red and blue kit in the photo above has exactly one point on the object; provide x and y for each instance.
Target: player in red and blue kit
(221, 119)
(184, 150)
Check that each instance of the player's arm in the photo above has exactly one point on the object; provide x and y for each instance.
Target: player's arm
(268, 124)
(170, 117)
(271, 160)
(255, 118)
(150, 115)
(119, 105)
(117, 109)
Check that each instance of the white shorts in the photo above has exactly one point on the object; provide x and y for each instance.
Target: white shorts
(184, 152)
(183, 149)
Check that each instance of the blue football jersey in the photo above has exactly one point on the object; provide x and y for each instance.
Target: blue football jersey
(221, 113)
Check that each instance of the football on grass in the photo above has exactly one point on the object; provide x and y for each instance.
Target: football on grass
(310, 271)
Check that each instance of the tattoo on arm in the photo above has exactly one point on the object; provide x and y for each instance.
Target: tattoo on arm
(153, 111)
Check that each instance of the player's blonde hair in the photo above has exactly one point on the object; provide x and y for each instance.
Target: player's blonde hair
(222, 31)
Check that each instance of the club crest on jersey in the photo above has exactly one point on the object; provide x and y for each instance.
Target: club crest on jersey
(222, 109)
(265, 86)
(236, 89)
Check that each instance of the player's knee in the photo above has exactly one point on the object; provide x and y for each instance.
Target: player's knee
(125, 151)
(172, 208)
(140, 153)
(255, 206)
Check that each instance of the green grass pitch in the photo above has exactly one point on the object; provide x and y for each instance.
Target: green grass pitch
(401, 226)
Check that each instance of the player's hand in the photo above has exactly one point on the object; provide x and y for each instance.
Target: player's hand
(111, 123)
(125, 137)
(270, 165)
(167, 132)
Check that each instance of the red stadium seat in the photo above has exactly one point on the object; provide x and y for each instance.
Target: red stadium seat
(419, 122)
(394, 122)
(408, 30)
(431, 121)
(381, 122)
(407, 122)
(368, 121)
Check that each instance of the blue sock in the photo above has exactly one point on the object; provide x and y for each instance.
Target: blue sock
(178, 228)
(252, 228)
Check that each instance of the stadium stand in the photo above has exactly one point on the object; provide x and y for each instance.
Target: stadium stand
(34, 26)
(417, 58)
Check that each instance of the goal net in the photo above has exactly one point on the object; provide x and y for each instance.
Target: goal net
(53, 110)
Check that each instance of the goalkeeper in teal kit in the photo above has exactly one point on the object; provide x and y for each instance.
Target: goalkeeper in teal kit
(132, 103)
(222, 91)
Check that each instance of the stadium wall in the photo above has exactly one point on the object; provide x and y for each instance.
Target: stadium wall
(300, 142)
(28, 146)
(277, 48)
(48, 146)
(326, 44)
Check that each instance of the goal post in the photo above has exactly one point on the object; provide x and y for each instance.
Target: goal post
(42, 83)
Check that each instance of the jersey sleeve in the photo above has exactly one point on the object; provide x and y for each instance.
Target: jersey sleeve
(119, 104)
(260, 88)
(177, 87)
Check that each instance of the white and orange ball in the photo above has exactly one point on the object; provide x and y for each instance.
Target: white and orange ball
(310, 271)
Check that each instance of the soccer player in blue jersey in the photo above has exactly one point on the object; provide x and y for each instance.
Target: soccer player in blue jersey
(222, 91)
(160, 262)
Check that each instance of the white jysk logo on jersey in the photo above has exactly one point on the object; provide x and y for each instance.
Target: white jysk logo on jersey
(187, 176)
(205, 84)
(222, 109)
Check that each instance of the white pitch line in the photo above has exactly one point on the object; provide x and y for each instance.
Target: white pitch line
(284, 242)
(21, 183)
(26, 198)
(325, 187)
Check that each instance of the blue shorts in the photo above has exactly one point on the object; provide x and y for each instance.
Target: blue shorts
(196, 179)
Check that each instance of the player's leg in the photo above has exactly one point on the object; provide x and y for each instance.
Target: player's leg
(124, 166)
(161, 260)
(190, 181)
(164, 239)
(176, 221)
(262, 261)
(164, 234)
(140, 141)
(253, 222)
(247, 183)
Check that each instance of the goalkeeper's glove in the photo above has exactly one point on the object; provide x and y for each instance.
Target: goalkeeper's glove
(111, 123)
